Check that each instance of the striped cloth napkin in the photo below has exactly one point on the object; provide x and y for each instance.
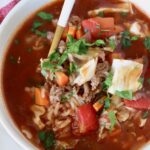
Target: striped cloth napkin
(5, 10)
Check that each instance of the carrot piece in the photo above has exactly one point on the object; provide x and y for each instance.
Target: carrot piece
(61, 78)
(98, 106)
(39, 100)
(72, 31)
(79, 33)
(64, 36)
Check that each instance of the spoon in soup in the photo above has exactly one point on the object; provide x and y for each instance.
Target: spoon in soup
(62, 22)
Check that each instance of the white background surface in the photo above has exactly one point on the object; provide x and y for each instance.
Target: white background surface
(6, 142)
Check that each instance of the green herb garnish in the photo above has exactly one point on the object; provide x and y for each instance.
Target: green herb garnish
(81, 46)
(134, 38)
(41, 33)
(112, 43)
(47, 139)
(45, 16)
(147, 43)
(107, 103)
(141, 80)
(113, 119)
(125, 94)
(108, 82)
(148, 80)
(63, 58)
(126, 39)
(72, 68)
(36, 24)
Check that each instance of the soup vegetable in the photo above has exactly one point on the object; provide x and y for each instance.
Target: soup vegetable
(93, 92)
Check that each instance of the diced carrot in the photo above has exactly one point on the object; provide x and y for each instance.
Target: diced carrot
(72, 31)
(61, 78)
(79, 33)
(39, 100)
(64, 36)
(98, 106)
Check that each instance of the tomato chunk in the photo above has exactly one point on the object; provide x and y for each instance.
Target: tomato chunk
(141, 103)
(87, 118)
(99, 27)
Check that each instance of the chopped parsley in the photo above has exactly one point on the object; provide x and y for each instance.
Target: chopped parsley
(147, 43)
(126, 39)
(125, 94)
(16, 41)
(63, 58)
(81, 46)
(72, 68)
(108, 82)
(107, 103)
(113, 119)
(36, 24)
(112, 43)
(47, 139)
(45, 16)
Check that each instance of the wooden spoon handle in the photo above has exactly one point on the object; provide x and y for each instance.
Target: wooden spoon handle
(62, 22)
(57, 37)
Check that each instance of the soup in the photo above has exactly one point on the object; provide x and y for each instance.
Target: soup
(93, 92)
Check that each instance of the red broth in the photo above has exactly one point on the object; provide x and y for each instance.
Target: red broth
(17, 76)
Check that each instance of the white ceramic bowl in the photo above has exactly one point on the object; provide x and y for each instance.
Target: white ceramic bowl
(7, 29)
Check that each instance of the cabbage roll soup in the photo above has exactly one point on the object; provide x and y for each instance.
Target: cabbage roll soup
(93, 92)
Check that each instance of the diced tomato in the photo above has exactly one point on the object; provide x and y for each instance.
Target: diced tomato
(99, 27)
(87, 118)
(142, 103)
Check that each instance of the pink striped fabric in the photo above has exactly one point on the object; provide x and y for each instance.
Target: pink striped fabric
(5, 10)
